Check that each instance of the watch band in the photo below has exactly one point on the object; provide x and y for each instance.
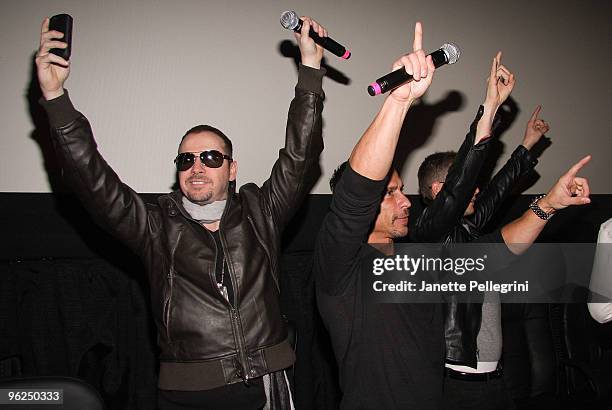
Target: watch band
(540, 213)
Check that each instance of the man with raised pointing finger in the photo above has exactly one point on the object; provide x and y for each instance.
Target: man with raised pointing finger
(391, 355)
(211, 252)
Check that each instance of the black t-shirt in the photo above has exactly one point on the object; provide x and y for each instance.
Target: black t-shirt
(237, 396)
(390, 356)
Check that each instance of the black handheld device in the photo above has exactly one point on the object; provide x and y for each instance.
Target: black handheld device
(63, 23)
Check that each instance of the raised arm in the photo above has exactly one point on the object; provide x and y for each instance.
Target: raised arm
(520, 163)
(357, 196)
(445, 211)
(455, 192)
(292, 177)
(113, 204)
(373, 154)
(535, 129)
(569, 190)
(499, 86)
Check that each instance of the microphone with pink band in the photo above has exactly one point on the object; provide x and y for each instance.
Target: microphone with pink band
(447, 54)
(291, 21)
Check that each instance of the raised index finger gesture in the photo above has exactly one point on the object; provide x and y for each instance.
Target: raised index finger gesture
(534, 115)
(573, 171)
(536, 127)
(499, 84)
(419, 66)
(570, 189)
(417, 43)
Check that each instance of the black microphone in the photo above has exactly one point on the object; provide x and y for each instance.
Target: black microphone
(291, 21)
(447, 54)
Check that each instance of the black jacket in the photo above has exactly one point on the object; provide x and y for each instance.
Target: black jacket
(443, 221)
(205, 341)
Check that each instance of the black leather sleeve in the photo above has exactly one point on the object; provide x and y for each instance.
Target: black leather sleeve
(292, 177)
(446, 210)
(490, 199)
(114, 205)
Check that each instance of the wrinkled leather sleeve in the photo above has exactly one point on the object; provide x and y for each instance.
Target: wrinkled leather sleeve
(113, 204)
(292, 175)
(490, 199)
(446, 210)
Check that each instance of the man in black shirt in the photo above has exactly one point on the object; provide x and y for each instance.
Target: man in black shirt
(390, 356)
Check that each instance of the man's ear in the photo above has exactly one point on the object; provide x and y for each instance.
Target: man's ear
(436, 187)
(233, 170)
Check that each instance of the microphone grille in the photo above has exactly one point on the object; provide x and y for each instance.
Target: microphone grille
(289, 19)
(452, 52)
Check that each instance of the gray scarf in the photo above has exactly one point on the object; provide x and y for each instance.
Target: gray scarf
(204, 214)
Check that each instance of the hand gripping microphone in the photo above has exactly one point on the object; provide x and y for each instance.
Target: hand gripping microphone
(291, 21)
(447, 54)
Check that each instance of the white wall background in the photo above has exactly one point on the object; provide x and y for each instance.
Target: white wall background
(145, 71)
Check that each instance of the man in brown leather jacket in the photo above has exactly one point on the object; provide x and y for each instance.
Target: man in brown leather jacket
(211, 253)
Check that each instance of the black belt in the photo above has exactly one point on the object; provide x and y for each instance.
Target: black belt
(473, 377)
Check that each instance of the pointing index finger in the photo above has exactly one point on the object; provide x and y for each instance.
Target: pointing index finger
(574, 170)
(45, 25)
(493, 72)
(535, 114)
(418, 37)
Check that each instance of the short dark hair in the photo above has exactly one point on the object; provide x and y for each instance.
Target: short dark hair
(209, 128)
(333, 181)
(434, 169)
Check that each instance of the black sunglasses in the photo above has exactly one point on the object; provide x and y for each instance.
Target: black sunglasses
(212, 159)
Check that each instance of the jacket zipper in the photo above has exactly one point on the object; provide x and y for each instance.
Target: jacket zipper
(235, 315)
(171, 274)
(167, 305)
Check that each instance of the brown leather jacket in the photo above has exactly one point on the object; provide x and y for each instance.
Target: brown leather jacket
(205, 341)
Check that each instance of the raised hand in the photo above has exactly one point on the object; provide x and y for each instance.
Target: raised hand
(52, 70)
(569, 190)
(420, 67)
(311, 52)
(536, 127)
(499, 84)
